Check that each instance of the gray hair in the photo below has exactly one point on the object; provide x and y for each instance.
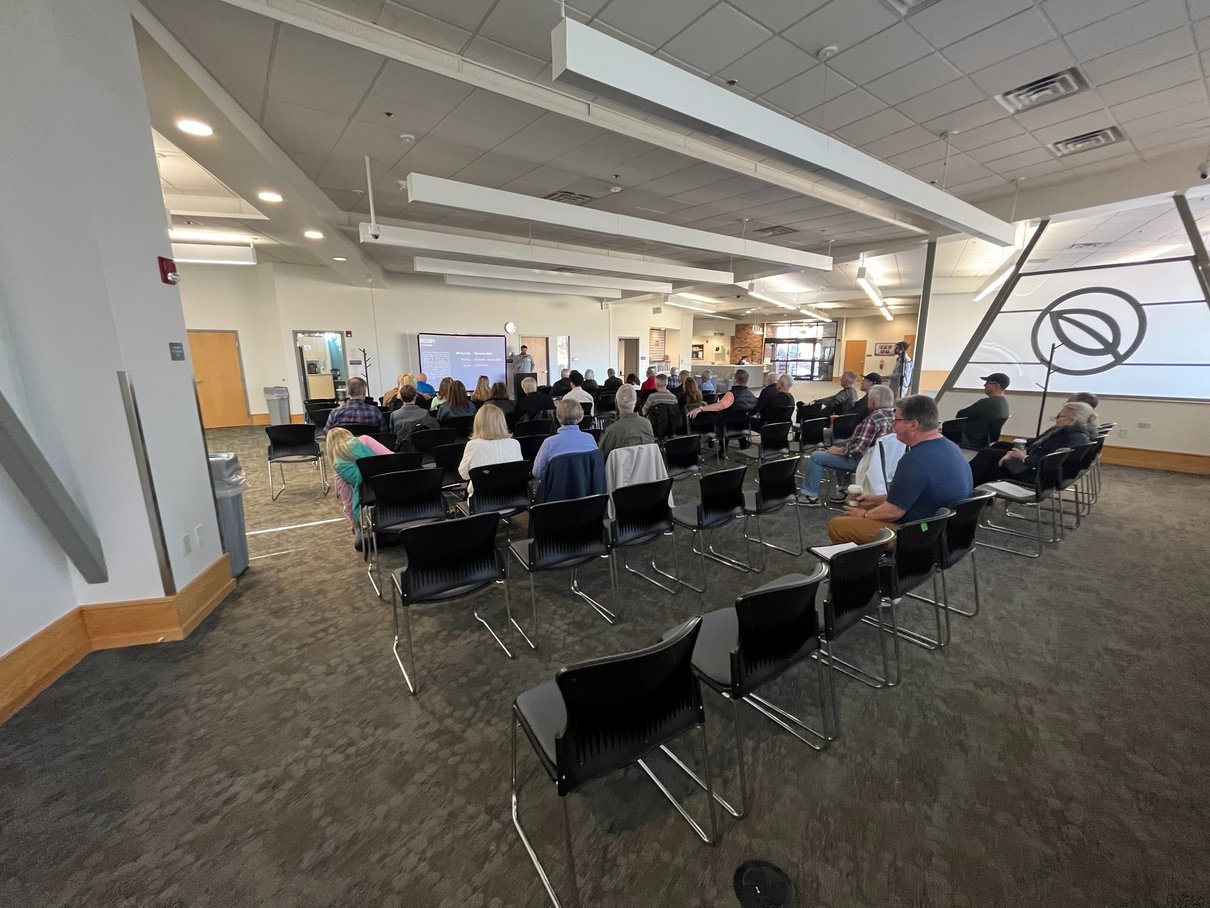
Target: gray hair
(851, 376)
(568, 411)
(1086, 397)
(1083, 416)
(529, 385)
(921, 408)
(625, 399)
(785, 381)
(650, 371)
(356, 387)
(882, 396)
(589, 375)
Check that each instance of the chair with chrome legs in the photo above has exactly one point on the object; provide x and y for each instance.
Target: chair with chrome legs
(1075, 472)
(401, 500)
(446, 561)
(745, 647)
(374, 466)
(1047, 479)
(499, 487)
(448, 458)
(958, 542)
(599, 716)
(843, 426)
(774, 442)
(293, 444)
(722, 501)
(776, 489)
(907, 567)
(810, 434)
(683, 456)
(853, 593)
(641, 514)
(565, 534)
(731, 424)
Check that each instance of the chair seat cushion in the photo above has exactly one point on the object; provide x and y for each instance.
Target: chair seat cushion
(1009, 490)
(543, 716)
(523, 549)
(719, 635)
(685, 515)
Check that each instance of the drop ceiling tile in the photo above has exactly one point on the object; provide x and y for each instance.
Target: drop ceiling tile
(681, 64)
(1201, 31)
(465, 13)
(914, 79)
(897, 143)
(654, 23)
(1034, 171)
(777, 14)
(321, 74)
(549, 137)
(1163, 118)
(718, 38)
(1013, 162)
(496, 111)
(1071, 15)
(405, 118)
(1024, 68)
(625, 37)
(943, 100)
(494, 54)
(1178, 95)
(806, 90)
(468, 133)
(848, 108)
(876, 126)
(661, 162)
(1140, 57)
(1075, 127)
(380, 143)
(405, 21)
(436, 158)
(843, 23)
(588, 7)
(543, 180)
(421, 88)
(1158, 78)
(1128, 27)
(1064, 109)
(523, 25)
(952, 20)
(979, 185)
(1199, 8)
(973, 116)
(1003, 148)
(885, 52)
(1015, 35)
(980, 136)
(918, 157)
(769, 65)
(297, 128)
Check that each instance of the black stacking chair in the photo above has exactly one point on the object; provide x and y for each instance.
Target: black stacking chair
(777, 414)
(606, 403)
(776, 488)
(1047, 480)
(371, 429)
(446, 561)
(565, 534)
(843, 426)
(293, 444)
(731, 424)
(500, 488)
(1075, 469)
(538, 427)
(774, 442)
(599, 716)
(667, 421)
(386, 439)
(447, 458)
(593, 431)
(641, 514)
(319, 419)
(958, 542)
(588, 409)
(742, 648)
(425, 440)
(853, 594)
(993, 429)
(461, 425)
(683, 456)
(810, 434)
(316, 406)
(722, 501)
(710, 397)
(911, 564)
(952, 429)
(401, 500)
(373, 466)
(530, 446)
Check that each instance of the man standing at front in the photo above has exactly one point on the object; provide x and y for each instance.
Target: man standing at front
(523, 362)
(982, 413)
(932, 474)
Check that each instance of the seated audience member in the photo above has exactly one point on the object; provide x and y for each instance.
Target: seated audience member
(738, 398)
(577, 392)
(563, 385)
(456, 403)
(932, 474)
(501, 399)
(534, 404)
(868, 381)
(568, 440)
(356, 411)
(344, 450)
(489, 443)
(423, 386)
(845, 457)
(982, 413)
(632, 379)
(1075, 424)
(612, 382)
(692, 398)
(443, 391)
(779, 399)
(706, 385)
(1085, 397)
(649, 382)
(391, 398)
(405, 430)
(674, 381)
(409, 410)
(661, 395)
(840, 402)
(482, 392)
(629, 428)
(769, 387)
(590, 382)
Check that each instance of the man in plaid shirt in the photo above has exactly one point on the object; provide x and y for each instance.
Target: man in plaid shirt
(879, 422)
(356, 411)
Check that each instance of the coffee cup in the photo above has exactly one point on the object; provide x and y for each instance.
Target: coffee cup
(853, 495)
(1019, 444)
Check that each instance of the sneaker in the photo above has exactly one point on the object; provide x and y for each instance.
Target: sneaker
(838, 499)
(810, 502)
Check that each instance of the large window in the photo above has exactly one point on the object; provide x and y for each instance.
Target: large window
(807, 350)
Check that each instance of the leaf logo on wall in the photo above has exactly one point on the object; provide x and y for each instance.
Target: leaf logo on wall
(1096, 329)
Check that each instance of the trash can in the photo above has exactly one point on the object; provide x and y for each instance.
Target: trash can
(278, 399)
(229, 486)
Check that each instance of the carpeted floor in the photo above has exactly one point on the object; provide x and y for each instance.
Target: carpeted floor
(1057, 754)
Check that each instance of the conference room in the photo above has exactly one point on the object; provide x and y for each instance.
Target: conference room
(729, 452)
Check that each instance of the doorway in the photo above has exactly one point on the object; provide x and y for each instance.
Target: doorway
(854, 356)
(538, 348)
(628, 356)
(218, 375)
(322, 368)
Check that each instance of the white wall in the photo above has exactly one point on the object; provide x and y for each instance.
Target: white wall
(875, 330)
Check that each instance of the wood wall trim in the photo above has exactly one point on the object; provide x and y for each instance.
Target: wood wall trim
(262, 419)
(39, 661)
(1176, 461)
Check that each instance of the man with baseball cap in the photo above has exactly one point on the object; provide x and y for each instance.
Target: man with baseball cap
(869, 380)
(983, 413)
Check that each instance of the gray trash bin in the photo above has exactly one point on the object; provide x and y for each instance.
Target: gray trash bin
(278, 399)
(229, 486)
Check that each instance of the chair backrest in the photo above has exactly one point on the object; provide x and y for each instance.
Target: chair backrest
(538, 427)
(500, 486)
(961, 529)
(292, 441)
(388, 463)
(775, 484)
(450, 559)
(449, 457)
(569, 532)
(360, 429)
(666, 420)
(775, 438)
(641, 511)
(683, 451)
(843, 426)
(1049, 476)
(993, 429)
(587, 407)
(424, 440)
(710, 397)
(778, 626)
(952, 429)
(460, 425)
(406, 496)
(530, 445)
(607, 401)
(811, 431)
(319, 418)
(853, 587)
(734, 421)
(722, 497)
(917, 552)
(778, 414)
(575, 475)
(620, 708)
(1079, 460)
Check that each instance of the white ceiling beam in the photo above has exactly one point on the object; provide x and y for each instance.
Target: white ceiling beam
(495, 283)
(425, 265)
(588, 58)
(434, 241)
(469, 197)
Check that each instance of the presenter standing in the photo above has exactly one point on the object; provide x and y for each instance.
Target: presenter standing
(523, 364)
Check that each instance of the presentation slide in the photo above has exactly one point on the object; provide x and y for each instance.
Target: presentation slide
(462, 356)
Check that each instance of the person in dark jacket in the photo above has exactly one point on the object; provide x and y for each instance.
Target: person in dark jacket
(612, 383)
(534, 404)
(1075, 424)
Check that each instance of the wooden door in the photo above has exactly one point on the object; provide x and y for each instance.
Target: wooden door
(537, 348)
(218, 374)
(911, 342)
(854, 356)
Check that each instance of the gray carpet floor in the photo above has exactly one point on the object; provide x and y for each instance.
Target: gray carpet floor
(1058, 753)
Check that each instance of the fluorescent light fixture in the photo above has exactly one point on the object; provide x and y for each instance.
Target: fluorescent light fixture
(870, 288)
(709, 312)
(697, 298)
(997, 278)
(424, 265)
(194, 127)
(435, 241)
(469, 197)
(269, 196)
(202, 254)
(493, 283)
(815, 315)
(340, 258)
(769, 299)
(208, 236)
(313, 234)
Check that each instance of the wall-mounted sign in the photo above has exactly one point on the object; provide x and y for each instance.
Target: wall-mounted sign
(884, 349)
(698, 351)
(656, 310)
(176, 350)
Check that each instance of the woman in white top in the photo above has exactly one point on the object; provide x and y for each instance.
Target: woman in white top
(490, 443)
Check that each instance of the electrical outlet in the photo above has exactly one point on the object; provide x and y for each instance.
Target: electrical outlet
(199, 536)
(187, 544)
(1122, 433)
(1144, 425)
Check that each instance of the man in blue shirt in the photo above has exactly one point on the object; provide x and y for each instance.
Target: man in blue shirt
(706, 383)
(932, 474)
(423, 386)
(569, 439)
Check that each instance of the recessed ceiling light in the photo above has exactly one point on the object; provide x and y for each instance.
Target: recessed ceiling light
(268, 196)
(339, 258)
(313, 234)
(194, 127)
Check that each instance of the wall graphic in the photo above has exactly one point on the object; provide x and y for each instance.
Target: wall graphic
(1140, 330)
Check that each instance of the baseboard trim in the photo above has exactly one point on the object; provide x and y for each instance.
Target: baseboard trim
(262, 419)
(1176, 461)
(39, 661)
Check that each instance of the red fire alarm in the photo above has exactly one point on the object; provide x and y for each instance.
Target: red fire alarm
(168, 273)
(348, 334)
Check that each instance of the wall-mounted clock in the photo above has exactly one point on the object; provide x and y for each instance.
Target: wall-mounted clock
(510, 327)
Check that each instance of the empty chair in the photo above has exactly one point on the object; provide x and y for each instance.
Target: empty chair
(293, 444)
(447, 458)
(424, 440)
(606, 403)
(1047, 480)
(461, 425)
(382, 463)
(776, 489)
(958, 542)
(952, 429)
(538, 427)
(500, 488)
(744, 647)
(909, 566)
(446, 561)
(319, 418)
(731, 424)
(722, 501)
(810, 434)
(599, 716)
(642, 514)
(774, 442)
(530, 445)
(401, 500)
(683, 456)
(386, 439)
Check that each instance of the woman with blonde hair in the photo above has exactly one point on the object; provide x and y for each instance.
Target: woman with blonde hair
(489, 443)
(391, 398)
(456, 402)
(482, 392)
(343, 451)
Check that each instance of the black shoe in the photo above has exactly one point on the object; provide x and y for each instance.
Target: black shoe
(810, 502)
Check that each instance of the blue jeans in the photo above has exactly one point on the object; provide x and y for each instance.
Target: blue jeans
(819, 461)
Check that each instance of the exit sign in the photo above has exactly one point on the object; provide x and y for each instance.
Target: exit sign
(656, 310)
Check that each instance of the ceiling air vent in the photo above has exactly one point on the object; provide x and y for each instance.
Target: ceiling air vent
(1042, 91)
(1086, 142)
(907, 7)
(571, 198)
(774, 231)
(1084, 247)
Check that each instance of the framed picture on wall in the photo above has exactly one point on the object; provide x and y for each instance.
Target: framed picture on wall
(698, 351)
(884, 349)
